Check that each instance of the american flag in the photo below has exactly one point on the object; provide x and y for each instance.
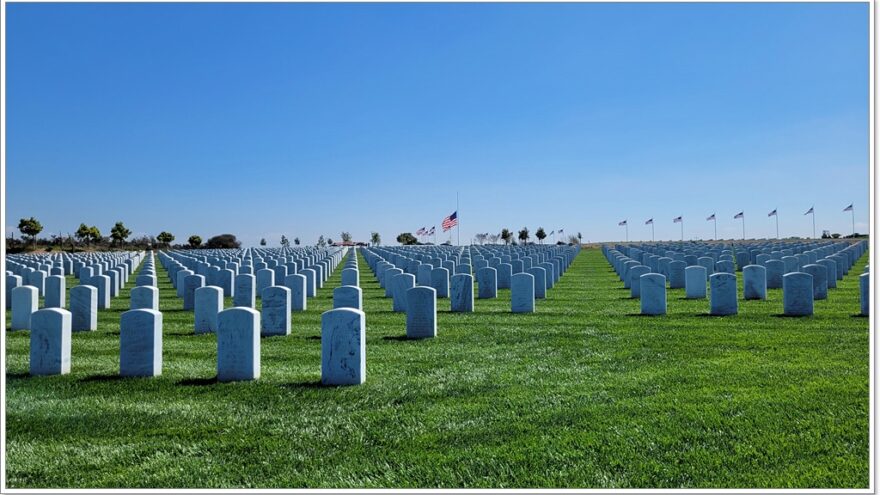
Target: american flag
(738, 215)
(772, 213)
(849, 208)
(450, 221)
(622, 223)
(711, 217)
(809, 211)
(676, 219)
(421, 231)
(431, 232)
(649, 221)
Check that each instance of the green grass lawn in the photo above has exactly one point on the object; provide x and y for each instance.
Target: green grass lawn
(583, 393)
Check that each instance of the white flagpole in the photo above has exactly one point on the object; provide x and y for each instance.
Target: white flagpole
(652, 231)
(715, 223)
(458, 222)
(813, 214)
(853, 211)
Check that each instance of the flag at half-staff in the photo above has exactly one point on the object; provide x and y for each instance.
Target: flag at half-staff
(812, 212)
(740, 215)
(850, 208)
(773, 214)
(450, 221)
(626, 226)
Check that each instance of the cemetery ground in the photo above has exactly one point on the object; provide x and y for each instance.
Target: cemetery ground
(582, 393)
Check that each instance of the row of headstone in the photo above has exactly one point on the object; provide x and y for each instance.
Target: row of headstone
(238, 330)
(283, 280)
(51, 333)
(448, 271)
(800, 288)
(220, 267)
(796, 253)
(99, 282)
(238, 344)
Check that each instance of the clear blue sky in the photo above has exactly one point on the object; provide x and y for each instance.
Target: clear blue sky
(299, 119)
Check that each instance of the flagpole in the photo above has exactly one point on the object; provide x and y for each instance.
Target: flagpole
(777, 224)
(626, 225)
(715, 223)
(814, 223)
(853, 211)
(682, 230)
(457, 217)
(652, 231)
(743, 218)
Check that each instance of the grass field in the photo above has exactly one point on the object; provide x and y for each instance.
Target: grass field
(583, 393)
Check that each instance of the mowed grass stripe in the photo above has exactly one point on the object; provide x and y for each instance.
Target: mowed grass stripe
(582, 393)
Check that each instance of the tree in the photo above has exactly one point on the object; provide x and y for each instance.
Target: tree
(329, 241)
(194, 241)
(165, 238)
(493, 238)
(481, 238)
(541, 235)
(263, 242)
(580, 238)
(524, 235)
(285, 242)
(119, 233)
(375, 238)
(30, 226)
(346, 237)
(95, 234)
(321, 242)
(296, 240)
(83, 233)
(407, 239)
(506, 235)
(223, 241)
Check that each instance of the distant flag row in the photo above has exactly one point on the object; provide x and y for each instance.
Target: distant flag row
(425, 231)
(773, 213)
